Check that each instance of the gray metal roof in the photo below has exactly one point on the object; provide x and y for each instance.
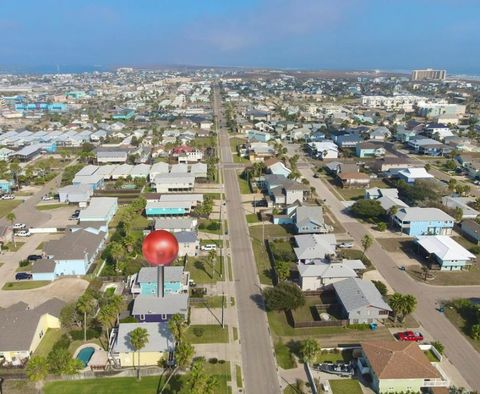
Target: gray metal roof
(98, 208)
(18, 323)
(160, 338)
(173, 223)
(186, 236)
(314, 246)
(418, 214)
(168, 305)
(75, 245)
(356, 293)
(149, 274)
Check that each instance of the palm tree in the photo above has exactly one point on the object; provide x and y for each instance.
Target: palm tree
(212, 258)
(402, 305)
(425, 271)
(184, 352)
(393, 210)
(129, 242)
(118, 253)
(138, 340)
(37, 368)
(367, 241)
(106, 317)
(85, 305)
(309, 350)
(11, 218)
(177, 325)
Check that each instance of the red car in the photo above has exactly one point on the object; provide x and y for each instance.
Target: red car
(410, 336)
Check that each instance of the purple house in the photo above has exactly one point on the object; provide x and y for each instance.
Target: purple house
(149, 309)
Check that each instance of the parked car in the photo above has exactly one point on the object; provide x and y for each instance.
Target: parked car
(34, 257)
(413, 336)
(75, 216)
(19, 226)
(208, 247)
(77, 212)
(23, 276)
(345, 245)
(23, 233)
(8, 197)
(47, 197)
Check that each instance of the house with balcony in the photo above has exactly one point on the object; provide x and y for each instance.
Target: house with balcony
(399, 367)
(369, 149)
(416, 221)
(146, 282)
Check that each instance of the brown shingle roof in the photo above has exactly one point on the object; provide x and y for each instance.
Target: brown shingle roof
(353, 175)
(398, 360)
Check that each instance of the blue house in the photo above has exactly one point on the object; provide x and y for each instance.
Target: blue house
(5, 186)
(259, 136)
(416, 221)
(348, 140)
(176, 281)
(317, 136)
(71, 255)
(124, 114)
(167, 208)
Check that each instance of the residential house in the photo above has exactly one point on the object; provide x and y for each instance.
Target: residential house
(444, 251)
(392, 163)
(354, 179)
(369, 149)
(416, 221)
(260, 151)
(306, 219)
(399, 366)
(79, 194)
(386, 197)
(159, 168)
(167, 208)
(148, 308)
(438, 131)
(188, 243)
(187, 154)
(348, 140)
(5, 154)
(314, 246)
(258, 136)
(111, 156)
(380, 133)
(23, 328)
(276, 167)
(429, 147)
(199, 170)
(148, 281)
(321, 273)
(283, 190)
(123, 354)
(172, 182)
(323, 149)
(462, 203)
(73, 254)
(5, 186)
(175, 225)
(471, 229)
(100, 209)
(360, 300)
(410, 175)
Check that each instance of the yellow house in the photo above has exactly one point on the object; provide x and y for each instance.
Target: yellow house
(160, 342)
(23, 328)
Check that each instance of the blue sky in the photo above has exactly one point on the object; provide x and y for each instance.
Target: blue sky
(316, 34)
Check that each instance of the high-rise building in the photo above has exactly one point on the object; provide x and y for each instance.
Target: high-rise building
(428, 74)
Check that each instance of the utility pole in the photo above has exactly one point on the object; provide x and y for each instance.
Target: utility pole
(223, 308)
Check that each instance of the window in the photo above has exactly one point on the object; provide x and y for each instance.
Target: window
(142, 317)
(164, 317)
(40, 335)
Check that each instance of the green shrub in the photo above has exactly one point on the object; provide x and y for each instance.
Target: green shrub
(474, 249)
(213, 360)
(439, 346)
(382, 226)
(77, 335)
(64, 342)
(24, 263)
(213, 226)
(128, 319)
(198, 331)
(359, 326)
(381, 287)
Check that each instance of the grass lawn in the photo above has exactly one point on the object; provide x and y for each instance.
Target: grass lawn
(202, 271)
(284, 357)
(462, 325)
(208, 333)
(244, 187)
(345, 386)
(215, 196)
(48, 207)
(204, 223)
(8, 205)
(355, 254)
(235, 333)
(148, 384)
(449, 278)
(239, 159)
(210, 302)
(138, 222)
(395, 245)
(49, 339)
(218, 242)
(26, 268)
(345, 355)
(252, 218)
(271, 230)
(238, 372)
(74, 345)
(25, 285)
(431, 356)
(13, 247)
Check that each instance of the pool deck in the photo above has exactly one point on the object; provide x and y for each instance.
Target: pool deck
(99, 356)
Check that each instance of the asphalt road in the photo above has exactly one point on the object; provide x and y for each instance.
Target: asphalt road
(259, 368)
(457, 348)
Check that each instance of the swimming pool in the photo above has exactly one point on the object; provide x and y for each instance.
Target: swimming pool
(85, 355)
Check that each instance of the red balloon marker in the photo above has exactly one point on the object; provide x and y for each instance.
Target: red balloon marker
(160, 248)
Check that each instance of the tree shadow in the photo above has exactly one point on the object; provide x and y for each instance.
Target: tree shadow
(259, 301)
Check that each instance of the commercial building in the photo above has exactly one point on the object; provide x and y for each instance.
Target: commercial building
(428, 75)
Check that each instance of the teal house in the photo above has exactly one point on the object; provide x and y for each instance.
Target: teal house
(167, 208)
(5, 186)
(176, 281)
(124, 114)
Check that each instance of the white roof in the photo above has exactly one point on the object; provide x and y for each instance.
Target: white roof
(314, 246)
(99, 207)
(160, 338)
(444, 247)
(419, 173)
(330, 270)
